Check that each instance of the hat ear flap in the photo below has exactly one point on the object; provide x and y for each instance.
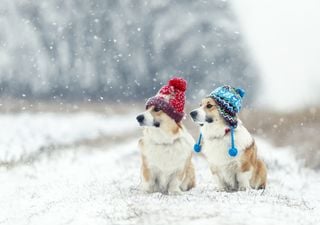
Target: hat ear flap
(241, 92)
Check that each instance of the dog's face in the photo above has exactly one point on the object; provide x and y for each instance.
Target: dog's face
(154, 117)
(207, 113)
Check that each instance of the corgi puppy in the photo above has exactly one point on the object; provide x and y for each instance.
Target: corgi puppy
(233, 171)
(166, 146)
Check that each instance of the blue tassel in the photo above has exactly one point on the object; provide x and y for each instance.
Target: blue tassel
(241, 92)
(197, 146)
(233, 151)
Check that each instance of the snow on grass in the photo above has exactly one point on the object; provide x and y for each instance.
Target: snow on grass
(101, 186)
(25, 133)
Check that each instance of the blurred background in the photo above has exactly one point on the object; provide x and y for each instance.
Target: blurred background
(75, 73)
(109, 56)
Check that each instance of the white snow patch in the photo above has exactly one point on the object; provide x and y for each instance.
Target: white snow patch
(25, 133)
(101, 187)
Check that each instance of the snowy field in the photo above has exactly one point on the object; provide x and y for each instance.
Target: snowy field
(75, 183)
(25, 135)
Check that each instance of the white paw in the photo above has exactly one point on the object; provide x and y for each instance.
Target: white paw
(148, 188)
(175, 192)
(220, 189)
(184, 188)
(244, 188)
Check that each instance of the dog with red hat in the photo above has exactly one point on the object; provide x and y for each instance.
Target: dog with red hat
(166, 146)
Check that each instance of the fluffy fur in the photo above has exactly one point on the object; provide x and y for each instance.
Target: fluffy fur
(231, 173)
(166, 153)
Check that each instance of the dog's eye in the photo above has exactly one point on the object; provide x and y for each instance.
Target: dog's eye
(156, 109)
(209, 106)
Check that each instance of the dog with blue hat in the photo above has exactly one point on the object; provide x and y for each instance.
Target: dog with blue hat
(226, 144)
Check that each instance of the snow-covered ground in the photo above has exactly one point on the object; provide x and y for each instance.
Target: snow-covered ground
(26, 134)
(100, 184)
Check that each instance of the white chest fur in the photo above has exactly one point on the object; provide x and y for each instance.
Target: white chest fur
(216, 149)
(167, 154)
(167, 159)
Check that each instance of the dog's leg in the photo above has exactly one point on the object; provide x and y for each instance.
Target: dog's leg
(174, 184)
(148, 187)
(189, 180)
(221, 185)
(259, 177)
(218, 179)
(243, 179)
(148, 178)
(230, 180)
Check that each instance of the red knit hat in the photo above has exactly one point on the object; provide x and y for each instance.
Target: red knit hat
(171, 98)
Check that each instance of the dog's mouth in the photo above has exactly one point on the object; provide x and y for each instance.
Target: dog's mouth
(207, 120)
(154, 124)
(200, 123)
(143, 121)
(199, 118)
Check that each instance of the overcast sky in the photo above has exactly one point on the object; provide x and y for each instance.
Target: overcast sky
(284, 37)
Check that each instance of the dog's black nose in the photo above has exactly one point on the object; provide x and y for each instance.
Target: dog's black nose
(194, 114)
(209, 119)
(156, 124)
(140, 118)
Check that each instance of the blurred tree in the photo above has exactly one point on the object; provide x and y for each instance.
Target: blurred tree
(119, 49)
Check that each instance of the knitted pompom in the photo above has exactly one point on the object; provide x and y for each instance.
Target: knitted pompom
(179, 83)
(241, 92)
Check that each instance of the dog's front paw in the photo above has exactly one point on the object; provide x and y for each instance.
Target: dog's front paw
(148, 188)
(175, 191)
(220, 189)
(244, 188)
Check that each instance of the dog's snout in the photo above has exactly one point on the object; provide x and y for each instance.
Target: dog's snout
(194, 114)
(140, 118)
(156, 124)
(209, 120)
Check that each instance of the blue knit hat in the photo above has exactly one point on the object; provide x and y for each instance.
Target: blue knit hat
(229, 104)
(229, 101)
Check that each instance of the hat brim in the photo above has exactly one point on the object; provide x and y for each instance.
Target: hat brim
(162, 104)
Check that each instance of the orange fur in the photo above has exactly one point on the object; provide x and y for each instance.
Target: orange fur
(250, 161)
(250, 171)
(144, 167)
(184, 175)
(189, 174)
(168, 124)
(145, 170)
